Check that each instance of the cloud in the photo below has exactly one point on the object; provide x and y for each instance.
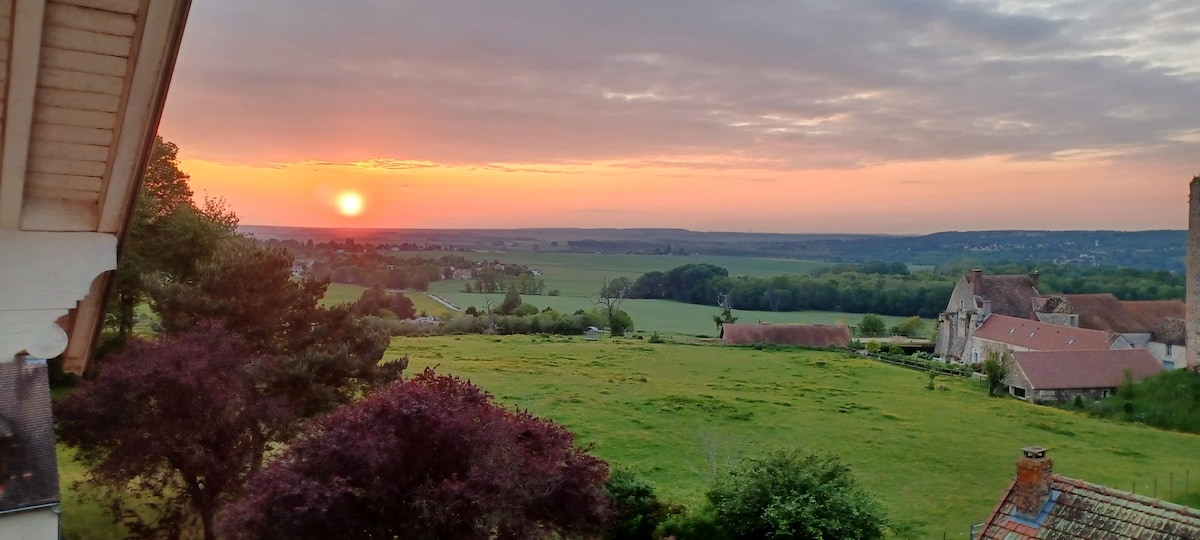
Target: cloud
(771, 84)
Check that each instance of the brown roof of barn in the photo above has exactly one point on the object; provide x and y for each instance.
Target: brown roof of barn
(1040, 336)
(28, 468)
(808, 335)
(1010, 295)
(1170, 332)
(1151, 313)
(1060, 370)
(1104, 312)
(1085, 510)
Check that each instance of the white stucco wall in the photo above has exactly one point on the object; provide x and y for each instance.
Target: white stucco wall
(1178, 354)
(39, 524)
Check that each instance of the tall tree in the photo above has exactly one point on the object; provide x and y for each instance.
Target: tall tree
(612, 293)
(169, 236)
(171, 429)
(432, 457)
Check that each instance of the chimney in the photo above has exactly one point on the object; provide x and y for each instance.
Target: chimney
(1034, 278)
(987, 309)
(1032, 488)
(977, 281)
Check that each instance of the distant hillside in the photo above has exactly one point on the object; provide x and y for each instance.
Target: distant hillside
(1160, 250)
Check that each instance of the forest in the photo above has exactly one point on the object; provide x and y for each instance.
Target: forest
(886, 288)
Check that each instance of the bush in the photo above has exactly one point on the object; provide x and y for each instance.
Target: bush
(637, 510)
(787, 494)
(872, 325)
(895, 350)
(655, 337)
(694, 526)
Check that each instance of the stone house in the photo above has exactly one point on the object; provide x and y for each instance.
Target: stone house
(1041, 504)
(977, 296)
(1003, 333)
(1057, 376)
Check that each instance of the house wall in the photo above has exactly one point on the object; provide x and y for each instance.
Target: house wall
(954, 324)
(37, 524)
(1055, 396)
(1170, 356)
(1061, 319)
(1138, 340)
(982, 346)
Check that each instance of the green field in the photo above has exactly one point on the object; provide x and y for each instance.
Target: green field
(938, 459)
(580, 274)
(668, 316)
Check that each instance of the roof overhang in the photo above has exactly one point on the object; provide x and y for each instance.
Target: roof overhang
(84, 83)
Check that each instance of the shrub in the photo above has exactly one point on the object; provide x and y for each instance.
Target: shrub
(895, 350)
(787, 494)
(655, 337)
(637, 510)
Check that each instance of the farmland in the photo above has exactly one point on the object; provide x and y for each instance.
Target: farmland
(672, 412)
(579, 274)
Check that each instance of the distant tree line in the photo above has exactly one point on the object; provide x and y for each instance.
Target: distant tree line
(885, 288)
(842, 289)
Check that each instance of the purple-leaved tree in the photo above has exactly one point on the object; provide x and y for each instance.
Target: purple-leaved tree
(432, 457)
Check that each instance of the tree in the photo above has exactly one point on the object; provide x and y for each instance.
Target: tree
(913, 327)
(169, 236)
(726, 316)
(432, 457)
(170, 429)
(995, 367)
(872, 325)
(512, 299)
(790, 495)
(637, 510)
(612, 293)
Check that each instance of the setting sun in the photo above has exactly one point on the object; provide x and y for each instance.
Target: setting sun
(350, 203)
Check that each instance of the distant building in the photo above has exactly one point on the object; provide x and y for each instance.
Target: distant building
(1000, 333)
(805, 335)
(1041, 504)
(1056, 376)
(975, 297)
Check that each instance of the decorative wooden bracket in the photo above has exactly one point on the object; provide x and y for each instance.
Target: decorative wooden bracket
(43, 275)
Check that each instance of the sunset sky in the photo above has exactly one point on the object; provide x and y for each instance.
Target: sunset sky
(894, 116)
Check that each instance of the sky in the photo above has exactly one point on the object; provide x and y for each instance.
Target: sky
(856, 116)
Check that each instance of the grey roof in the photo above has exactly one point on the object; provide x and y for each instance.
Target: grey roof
(29, 472)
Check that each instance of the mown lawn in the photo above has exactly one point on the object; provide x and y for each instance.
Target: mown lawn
(674, 413)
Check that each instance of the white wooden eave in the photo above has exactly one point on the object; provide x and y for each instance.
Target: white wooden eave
(83, 85)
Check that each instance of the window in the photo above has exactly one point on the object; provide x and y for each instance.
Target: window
(1168, 364)
(975, 356)
(1168, 349)
(1018, 391)
(962, 304)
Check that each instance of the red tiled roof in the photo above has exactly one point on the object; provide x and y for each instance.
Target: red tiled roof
(1104, 312)
(1010, 295)
(1058, 370)
(1040, 336)
(809, 335)
(1086, 510)
(1151, 313)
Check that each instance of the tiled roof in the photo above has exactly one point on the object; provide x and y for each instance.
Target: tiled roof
(810, 335)
(1010, 295)
(1041, 336)
(1089, 511)
(30, 474)
(1104, 312)
(1053, 304)
(1058, 370)
(1151, 313)
(1170, 332)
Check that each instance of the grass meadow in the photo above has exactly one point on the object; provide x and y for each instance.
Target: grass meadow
(580, 274)
(676, 413)
(668, 316)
